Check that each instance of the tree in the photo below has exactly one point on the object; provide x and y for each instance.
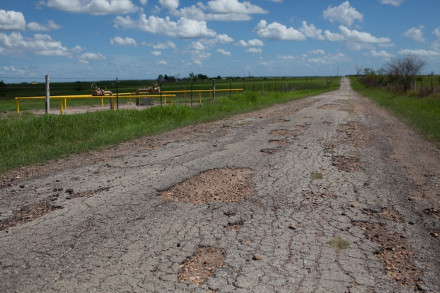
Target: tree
(404, 69)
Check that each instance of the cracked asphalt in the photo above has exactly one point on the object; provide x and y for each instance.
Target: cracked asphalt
(346, 199)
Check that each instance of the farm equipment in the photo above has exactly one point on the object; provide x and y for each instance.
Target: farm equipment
(153, 89)
(96, 91)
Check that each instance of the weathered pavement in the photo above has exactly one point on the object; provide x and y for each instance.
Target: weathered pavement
(346, 199)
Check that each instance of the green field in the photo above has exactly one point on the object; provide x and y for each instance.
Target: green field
(30, 139)
(423, 114)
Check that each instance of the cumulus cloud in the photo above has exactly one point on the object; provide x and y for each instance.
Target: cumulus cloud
(223, 52)
(415, 34)
(327, 58)
(277, 31)
(360, 40)
(87, 57)
(436, 43)
(95, 7)
(220, 10)
(169, 4)
(285, 57)
(250, 43)
(334, 37)
(123, 41)
(161, 63)
(40, 44)
(184, 28)
(156, 53)
(419, 52)
(254, 50)
(11, 20)
(392, 2)
(381, 54)
(311, 31)
(343, 13)
(163, 46)
(51, 25)
(317, 51)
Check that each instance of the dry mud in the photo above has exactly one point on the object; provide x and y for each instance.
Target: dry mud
(326, 194)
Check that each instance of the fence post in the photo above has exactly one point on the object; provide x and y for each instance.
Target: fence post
(213, 88)
(117, 93)
(47, 95)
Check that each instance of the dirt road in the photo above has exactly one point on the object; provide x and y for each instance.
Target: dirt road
(326, 194)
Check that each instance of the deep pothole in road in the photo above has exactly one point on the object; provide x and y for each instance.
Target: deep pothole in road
(27, 213)
(395, 254)
(216, 185)
(201, 266)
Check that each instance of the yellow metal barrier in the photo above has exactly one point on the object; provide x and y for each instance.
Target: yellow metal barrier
(112, 98)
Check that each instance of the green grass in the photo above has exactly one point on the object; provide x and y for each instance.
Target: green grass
(30, 139)
(423, 114)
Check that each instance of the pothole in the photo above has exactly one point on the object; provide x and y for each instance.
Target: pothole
(279, 142)
(395, 253)
(88, 193)
(269, 151)
(217, 185)
(346, 164)
(27, 213)
(328, 106)
(389, 213)
(234, 226)
(284, 132)
(201, 266)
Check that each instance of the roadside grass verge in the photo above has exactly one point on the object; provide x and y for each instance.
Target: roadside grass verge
(30, 139)
(422, 114)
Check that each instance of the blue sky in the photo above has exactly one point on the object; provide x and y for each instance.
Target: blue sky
(140, 39)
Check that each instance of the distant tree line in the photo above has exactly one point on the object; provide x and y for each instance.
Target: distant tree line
(397, 74)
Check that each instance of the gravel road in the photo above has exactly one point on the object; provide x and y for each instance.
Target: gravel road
(325, 194)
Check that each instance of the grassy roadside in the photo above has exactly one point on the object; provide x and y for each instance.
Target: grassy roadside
(29, 139)
(422, 114)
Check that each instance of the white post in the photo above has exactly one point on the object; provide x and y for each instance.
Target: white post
(47, 95)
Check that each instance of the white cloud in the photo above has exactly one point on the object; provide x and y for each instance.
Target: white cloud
(285, 57)
(317, 51)
(51, 25)
(220, 10)
(277, 31)
(343, 13)
(328, 59)
(436, 43)
(311, 31)
(223, 52)
(95, 7)
(183, 28)
(11, 20)
(419, 52)
(415, 34)
(392, 2)
(224, 39)
(143, 2)
(334, 37)
(156, 53)
(360, 40)
(163, 46)
(15, 44)
(87, 57)
(381, 54)
(169, 4)
(161, 63)
(12, 70)
(254, 50)
(123, 41)
(251, 43)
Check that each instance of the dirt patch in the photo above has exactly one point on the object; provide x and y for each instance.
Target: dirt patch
(284, 132)
(27, 213)
(433, 212)
(88, 193)
(217, 185)
(234, 226)
(200, 267)
(269, 151)
(329, 106)
(389, 213)
(395, 254)
(346, 164)
(279, 142)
